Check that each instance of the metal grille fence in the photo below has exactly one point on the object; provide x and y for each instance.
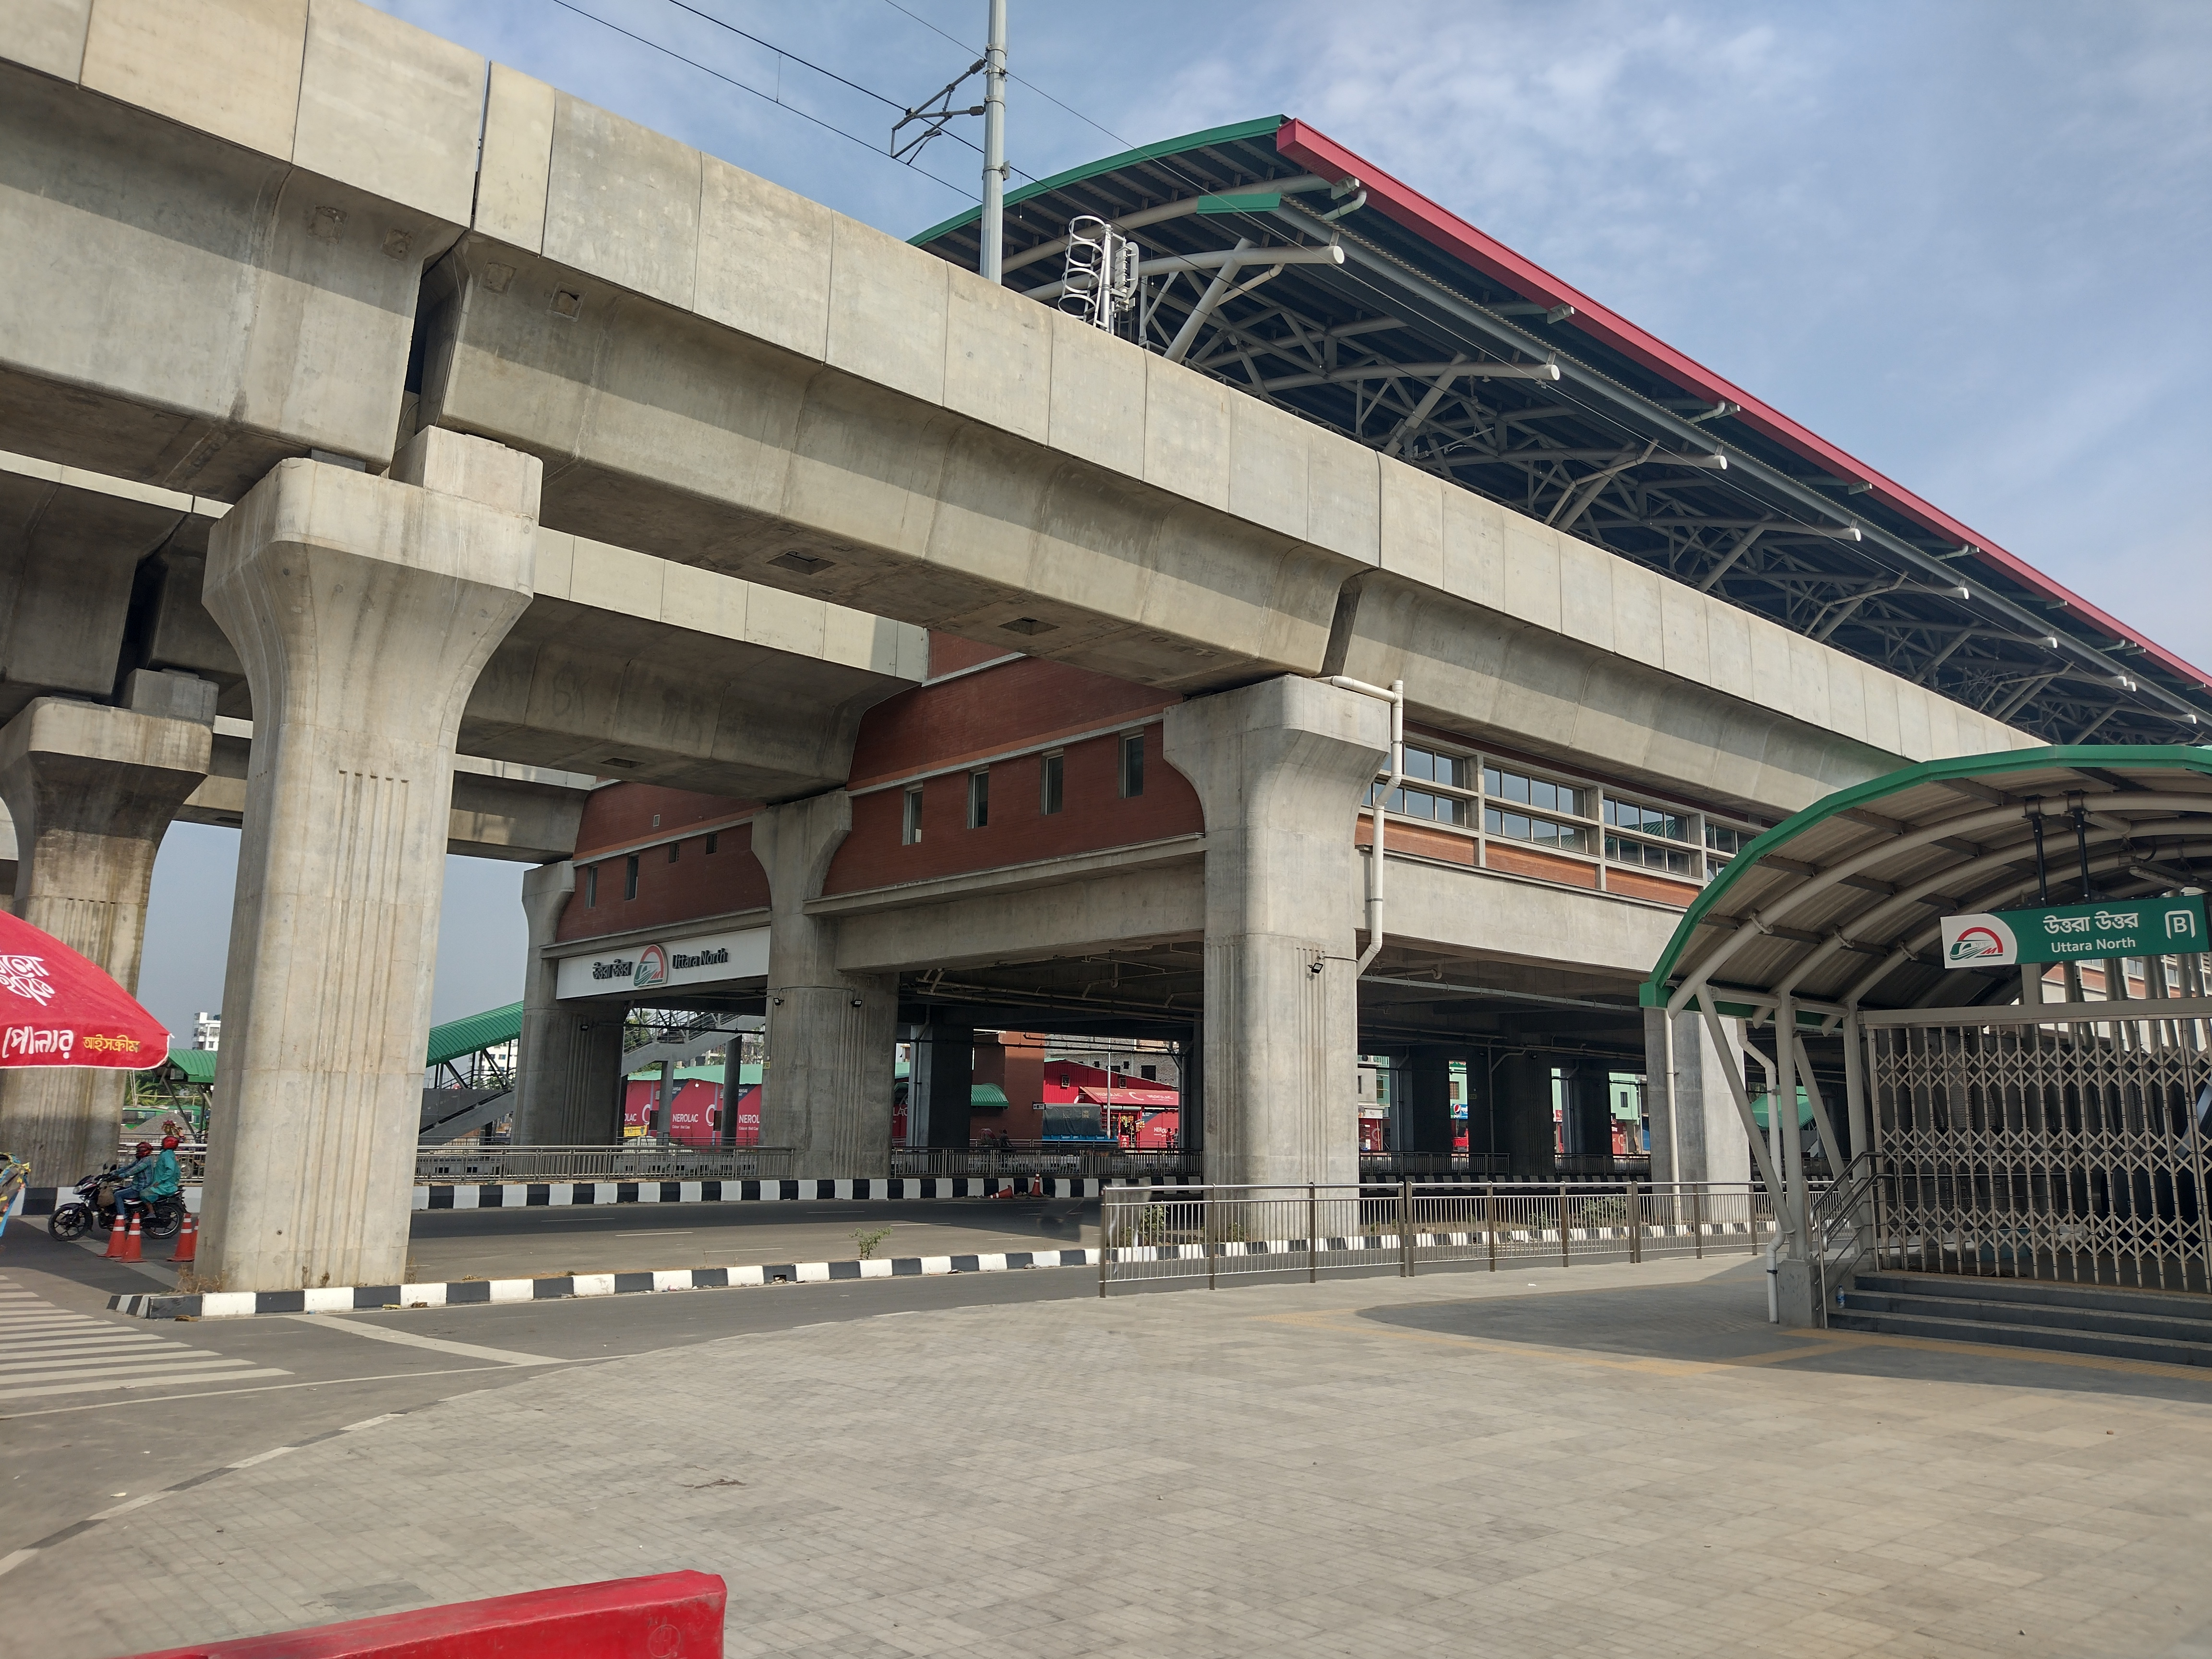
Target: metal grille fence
(437, 1164)
(2067, 1151)
(1208, 1233)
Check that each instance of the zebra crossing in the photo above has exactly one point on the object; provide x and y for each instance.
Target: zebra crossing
(47, 1350)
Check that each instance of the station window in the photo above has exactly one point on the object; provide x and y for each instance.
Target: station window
(1675, 860)
(1647, 820)
(713, 841)
(1540, 832)
(591, 885)
(1132, 764)
(1539, 793)
(1722, 843)
(1641, 821)
(630, 877)
(1430, 766)
(979, 799)
(1050, 772)
(910, 823)
(674, 848)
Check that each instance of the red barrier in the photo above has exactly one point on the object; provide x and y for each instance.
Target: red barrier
(672, 1615)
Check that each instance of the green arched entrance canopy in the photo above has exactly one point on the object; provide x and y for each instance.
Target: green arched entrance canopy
(1840, 908)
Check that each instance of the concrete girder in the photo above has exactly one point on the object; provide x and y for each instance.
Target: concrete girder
(1568, 653)
(518, 814)
(703, 444)
(236, 201)
(623, 666)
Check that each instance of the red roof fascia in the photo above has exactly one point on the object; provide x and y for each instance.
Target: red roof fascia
(1322, 155)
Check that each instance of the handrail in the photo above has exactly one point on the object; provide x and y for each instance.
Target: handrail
(1845, 1207)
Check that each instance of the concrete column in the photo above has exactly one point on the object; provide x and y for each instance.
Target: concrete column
(1190, 1069)
(1525, 1133)
(1280, 769)
(941, 1084)
(826, 1090)
(567, 1074)
(1697, 1134)
(1427, 1108)
(363, 609)
(91, 790)
(1586, 1109)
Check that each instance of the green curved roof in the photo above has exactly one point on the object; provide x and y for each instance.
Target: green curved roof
(1236, 131)
(465, 1035)
(1904, 809)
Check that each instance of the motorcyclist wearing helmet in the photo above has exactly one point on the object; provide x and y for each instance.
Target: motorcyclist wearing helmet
(151, 1175)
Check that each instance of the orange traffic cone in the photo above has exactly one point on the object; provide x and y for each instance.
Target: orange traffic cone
(130, 1244)
(115, 1236)
(188, 1240)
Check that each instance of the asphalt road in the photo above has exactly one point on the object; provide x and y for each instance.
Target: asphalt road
(74, 1448)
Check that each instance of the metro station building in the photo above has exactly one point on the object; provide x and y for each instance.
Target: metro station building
(1024, 851)
(400, 457)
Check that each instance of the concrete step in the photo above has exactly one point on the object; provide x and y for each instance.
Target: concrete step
(2104, 1345)
(2027, 1294)
(2048, 1316)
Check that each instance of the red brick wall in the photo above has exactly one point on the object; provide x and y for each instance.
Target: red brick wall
(1418, 841)
(951, 653)
(624, 812)
(698, 884)
(1092, 815)
(1545, 866)
(979, 714)
(1636, 885)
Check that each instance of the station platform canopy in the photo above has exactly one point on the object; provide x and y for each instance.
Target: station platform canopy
(1840, 907)
(1281, 264)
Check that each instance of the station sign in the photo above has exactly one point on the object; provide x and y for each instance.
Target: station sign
(2068, 933)
(665, 964)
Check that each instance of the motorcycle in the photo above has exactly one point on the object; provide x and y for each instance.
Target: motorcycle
(94, 1206)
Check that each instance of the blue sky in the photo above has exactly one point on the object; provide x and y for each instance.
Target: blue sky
(1967, 242)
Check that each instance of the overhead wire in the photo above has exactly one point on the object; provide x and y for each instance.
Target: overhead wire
(768, 97)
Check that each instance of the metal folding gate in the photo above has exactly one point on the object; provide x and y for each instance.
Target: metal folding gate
(2071, 1151)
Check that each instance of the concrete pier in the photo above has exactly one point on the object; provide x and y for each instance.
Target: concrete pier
(92, 789)
(826, 1088)
(1696, 1131)
(1281, 767)
(363, 609)
(569, 1067)
(1428, 1119)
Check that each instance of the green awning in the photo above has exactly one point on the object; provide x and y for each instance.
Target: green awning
(466, 1035)
(197, 1064)
(985, 1098)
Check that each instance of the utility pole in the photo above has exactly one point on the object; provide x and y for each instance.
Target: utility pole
(995, 143)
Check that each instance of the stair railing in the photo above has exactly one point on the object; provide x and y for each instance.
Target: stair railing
(1841, 1230)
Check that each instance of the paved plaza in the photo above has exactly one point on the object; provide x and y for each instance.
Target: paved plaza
(1610, 1460)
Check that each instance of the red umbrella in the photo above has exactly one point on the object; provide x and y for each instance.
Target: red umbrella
(58, 1009)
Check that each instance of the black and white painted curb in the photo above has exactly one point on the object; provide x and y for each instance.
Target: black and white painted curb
(530, 1194)
(469, 1292)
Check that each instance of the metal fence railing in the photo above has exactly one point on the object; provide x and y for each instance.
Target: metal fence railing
(435, 1165)
(1091, 1162)
(1190, 1234)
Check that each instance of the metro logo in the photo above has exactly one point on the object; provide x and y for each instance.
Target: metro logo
(1976, 943)
(652, 968)
(1982, 940)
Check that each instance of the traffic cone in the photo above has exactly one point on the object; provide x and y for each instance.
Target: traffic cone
(117, 1235)
(188, 1240)
(130, 1244)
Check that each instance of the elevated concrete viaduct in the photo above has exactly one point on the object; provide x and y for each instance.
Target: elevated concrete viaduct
(554, 442)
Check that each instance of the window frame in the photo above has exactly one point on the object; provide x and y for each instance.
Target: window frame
(1052, 783)
(910, 817)
(1129, 765)
(979, 798)
(591, 887)
(629, 877)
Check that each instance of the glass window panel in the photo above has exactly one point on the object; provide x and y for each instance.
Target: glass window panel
(1420, 762)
